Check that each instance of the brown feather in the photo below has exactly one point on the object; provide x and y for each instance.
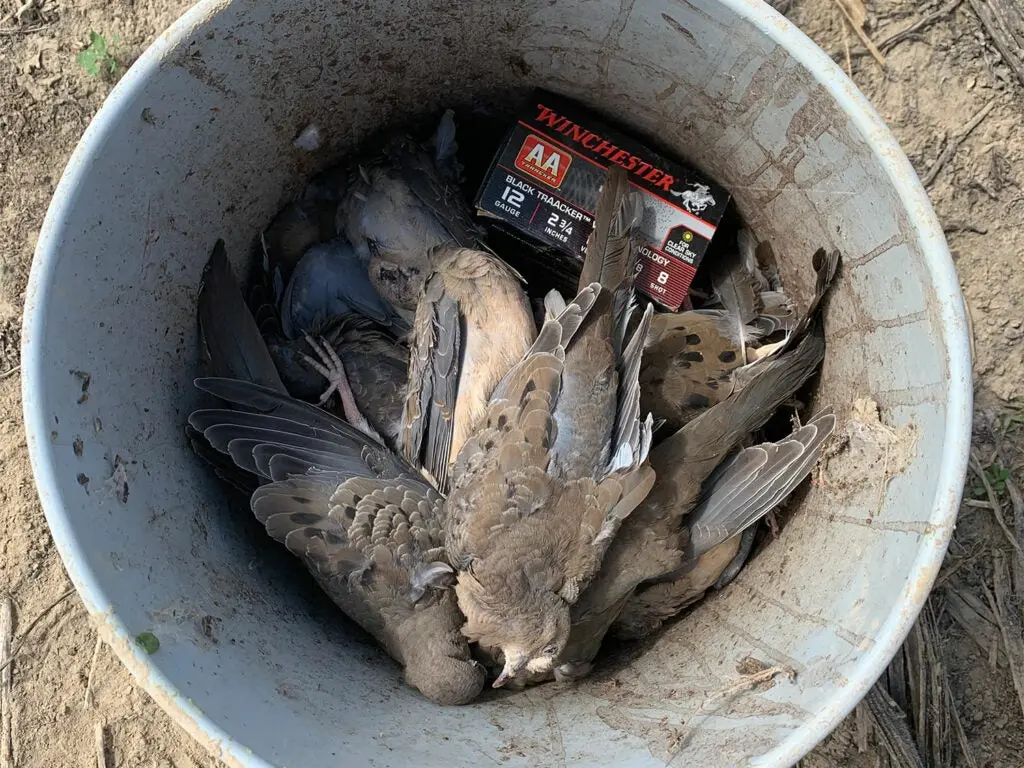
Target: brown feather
(472, 325)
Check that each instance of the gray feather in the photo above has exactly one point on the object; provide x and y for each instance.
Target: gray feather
(233, 341)
(631, 434)
(610, 251)
(752, 483)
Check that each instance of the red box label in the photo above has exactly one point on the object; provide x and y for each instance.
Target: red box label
(662, 277)
(543, 161)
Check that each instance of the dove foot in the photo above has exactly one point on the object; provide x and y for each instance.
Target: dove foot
(328, 364)
(739, 560)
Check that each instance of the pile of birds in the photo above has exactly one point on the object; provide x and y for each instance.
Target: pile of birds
(501, 485)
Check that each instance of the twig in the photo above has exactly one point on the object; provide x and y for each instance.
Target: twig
(954, 143)
(970, 329)
(862, 35)
(1002, 21)
(993, 499)
(748, 682)
(890, 723)
(32, 626)
(10, 372)
(917, 26)
(978, 504)
(101, 747)
(849, 64)
(961, 736)
(950, 225)
(92, 670)
(6, 721)
(1005, 608)
(862, 719)
(1017, 502)
(977, 625)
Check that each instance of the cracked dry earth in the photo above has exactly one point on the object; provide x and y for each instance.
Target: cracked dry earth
(935, 80)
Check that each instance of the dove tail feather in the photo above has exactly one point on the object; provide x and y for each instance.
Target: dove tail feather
(554, 304)
(610, 254)
(752, 483)
(230, 334)
(747, 246)
(554, 335)
(735, 288)
(630, 431)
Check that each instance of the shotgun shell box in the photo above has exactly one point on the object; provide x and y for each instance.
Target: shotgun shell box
(546, 178)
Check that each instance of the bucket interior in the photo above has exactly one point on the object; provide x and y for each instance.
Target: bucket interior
(197, 144)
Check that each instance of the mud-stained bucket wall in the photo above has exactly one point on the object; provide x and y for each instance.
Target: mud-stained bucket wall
(196, 143)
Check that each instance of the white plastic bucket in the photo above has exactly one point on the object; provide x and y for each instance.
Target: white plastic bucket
(196, 143)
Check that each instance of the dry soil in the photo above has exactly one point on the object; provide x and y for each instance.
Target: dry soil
(935, 80)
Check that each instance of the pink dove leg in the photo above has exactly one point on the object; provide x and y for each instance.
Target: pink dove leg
(329, 366)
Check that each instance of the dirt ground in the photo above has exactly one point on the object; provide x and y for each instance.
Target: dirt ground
(935, 80)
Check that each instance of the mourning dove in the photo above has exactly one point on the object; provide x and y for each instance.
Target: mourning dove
(691, 356)
(742, 489)
(401, 201)
(540, 490)
(653, 542)
(363, 521)
(473, 323)
(358, 357)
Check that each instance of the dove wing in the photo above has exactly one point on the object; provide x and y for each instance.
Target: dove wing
(752, 483)
(500, 474)
(232, 338)
(304, 436)
(434, 367)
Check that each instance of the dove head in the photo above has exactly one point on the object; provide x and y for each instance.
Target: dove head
(444, 679)
(436, 655)
(529, 625)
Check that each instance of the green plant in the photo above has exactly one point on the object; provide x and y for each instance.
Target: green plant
(1011, 418)
(148, 642)
(997, 475)
(97, 59)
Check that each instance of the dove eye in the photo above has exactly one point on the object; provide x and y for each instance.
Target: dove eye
(550, 650)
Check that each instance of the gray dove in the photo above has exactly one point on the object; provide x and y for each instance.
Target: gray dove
(359, 358)
(739, 492)
(365, 524)
(401, 202)
(330, 280)
(540, 490)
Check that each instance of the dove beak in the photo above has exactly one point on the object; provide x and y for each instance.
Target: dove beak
(510, 671)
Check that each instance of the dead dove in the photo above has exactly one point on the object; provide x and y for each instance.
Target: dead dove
(294, 230)
(367, 526)
(690, 357)
(654, 542)
(401, 201)
(473, 323)
(330, 280)
(360, 359)
(540, 490)
(739, 492)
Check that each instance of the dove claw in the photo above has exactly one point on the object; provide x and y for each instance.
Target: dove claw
(329, 365)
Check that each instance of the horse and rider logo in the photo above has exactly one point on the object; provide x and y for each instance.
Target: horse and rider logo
(695, 200)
